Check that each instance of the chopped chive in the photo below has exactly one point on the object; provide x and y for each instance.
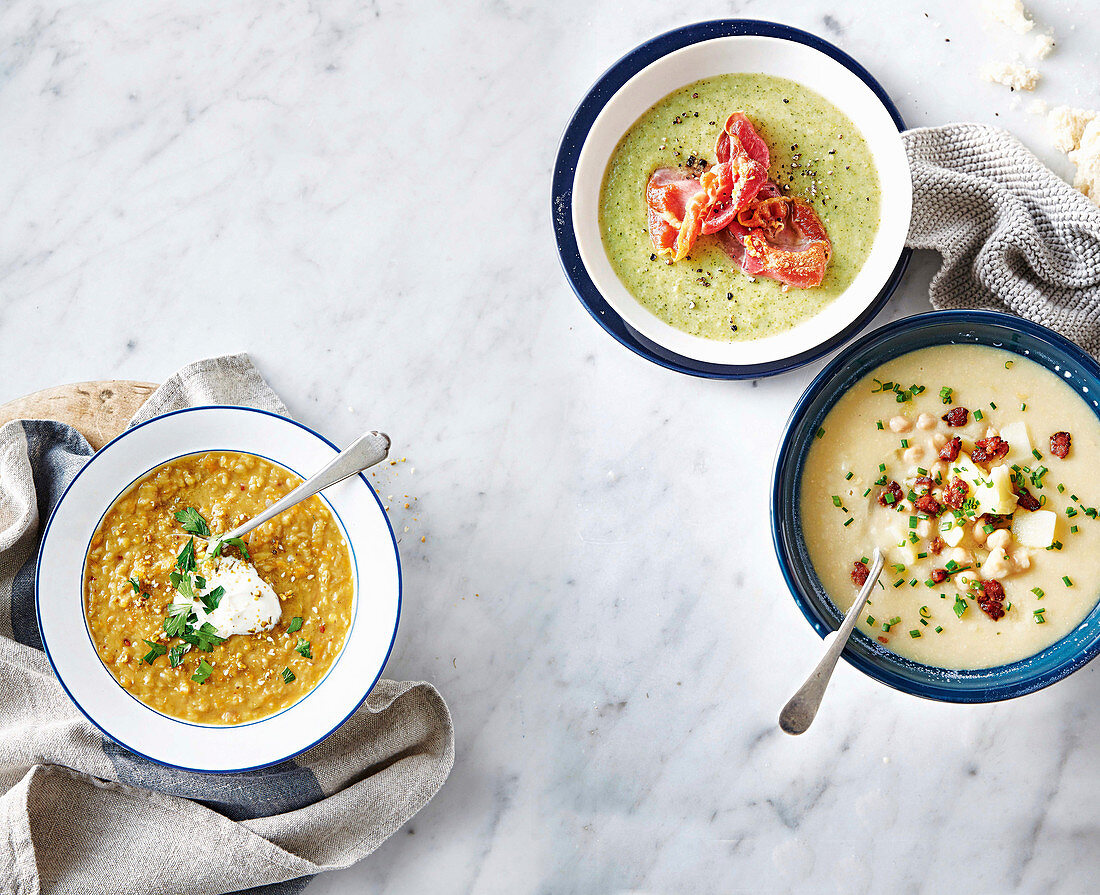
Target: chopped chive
(928, 582)
(987, 528)
(899, 582)
(960, 606)
(848, 477)
(1008, 364)
(882, 467)
(870, 619)
(905, 442)
(836, 500)
(912, 521)
(1038, 591)
(868, 491)
(939, 629)
(1023, 407)
(925, 612)
(992, 405)
(848, 522)
(878, 424)
(1066, 581)
(890, 498)
(924, 622)
(922, 556)
(1073, 529)
(1070, 511)
(978, 415)
(913, 583)
(1061, 488)
(820, 433)
(1036, 454)
(865, 560)
(945, 395)
(951, 565)
(922, 471)
(915, 633)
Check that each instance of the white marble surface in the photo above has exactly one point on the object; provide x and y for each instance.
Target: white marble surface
(358, 194)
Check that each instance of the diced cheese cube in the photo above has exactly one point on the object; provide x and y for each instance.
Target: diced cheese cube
(992, 490)
(1035, 529)
(950, 530)
(1019, 444)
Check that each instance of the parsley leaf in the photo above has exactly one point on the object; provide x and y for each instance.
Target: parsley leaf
(155, 650)
(192, 522)
(175, 655)
(179, 617)
(212, 599)
(185, 562)
(288, 675)
(303, 648)
(205, 638)
(182, 583)
(295, 625)
(236, 542)
(204, 671)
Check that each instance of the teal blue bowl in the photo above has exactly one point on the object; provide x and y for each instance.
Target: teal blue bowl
(991, 328)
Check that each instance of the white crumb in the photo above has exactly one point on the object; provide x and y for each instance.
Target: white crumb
(1067, 125)
(1010, 13)
(1087, 159)
(1013, 75)
(1042, 46)
(1037, 107)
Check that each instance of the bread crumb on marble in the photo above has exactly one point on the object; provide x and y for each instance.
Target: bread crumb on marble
(1010, 13)
(1013, 75)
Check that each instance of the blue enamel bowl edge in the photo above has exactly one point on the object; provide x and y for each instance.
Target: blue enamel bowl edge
(991, 328)
(561, 204)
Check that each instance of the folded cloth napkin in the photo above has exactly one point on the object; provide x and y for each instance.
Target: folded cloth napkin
(82, 815)
(1013, 235)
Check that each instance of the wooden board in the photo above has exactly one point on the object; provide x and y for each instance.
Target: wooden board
(98, 410)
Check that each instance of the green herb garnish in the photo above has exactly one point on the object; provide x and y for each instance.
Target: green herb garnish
(303, 648)
(212, 599)
(155, 650)
(295, 625)
(288, 675)
(176, 653)
(192, 522)
(204, 671)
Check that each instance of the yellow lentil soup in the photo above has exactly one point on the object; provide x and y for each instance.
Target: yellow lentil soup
(131, 589)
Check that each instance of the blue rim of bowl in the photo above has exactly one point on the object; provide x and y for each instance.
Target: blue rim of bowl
(561, 205)
(927, 688)
(112, 737)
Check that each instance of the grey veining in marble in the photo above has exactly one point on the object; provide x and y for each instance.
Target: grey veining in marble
(358, 195)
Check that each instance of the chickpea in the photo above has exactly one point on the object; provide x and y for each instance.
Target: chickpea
(939, 440)
(926, 421)
(978, 532)
(913, 454)
(901, 423)
(1021, 561)
(990, 432)
(960, 555)
(996, 564)
(999, 538)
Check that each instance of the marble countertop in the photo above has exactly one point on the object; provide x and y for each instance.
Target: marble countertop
(358, 195)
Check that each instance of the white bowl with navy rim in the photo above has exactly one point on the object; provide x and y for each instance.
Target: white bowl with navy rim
(969, 327)
(642, 78)
(183, 744)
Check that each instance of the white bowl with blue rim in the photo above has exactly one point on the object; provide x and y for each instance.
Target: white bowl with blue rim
(642, 78)
(183, 744)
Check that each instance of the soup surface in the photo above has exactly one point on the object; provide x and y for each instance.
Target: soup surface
(129, 592)
(817, 154)
(988, 571)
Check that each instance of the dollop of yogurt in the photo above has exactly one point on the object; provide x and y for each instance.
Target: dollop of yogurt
(249, 604)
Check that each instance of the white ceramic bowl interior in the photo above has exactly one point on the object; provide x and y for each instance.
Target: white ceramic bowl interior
(184, 744)
(770, 56)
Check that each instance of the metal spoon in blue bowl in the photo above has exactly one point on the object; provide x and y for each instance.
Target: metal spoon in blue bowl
(799, 713)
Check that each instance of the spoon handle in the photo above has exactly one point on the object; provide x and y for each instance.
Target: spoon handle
(798, 714)
(364, 452)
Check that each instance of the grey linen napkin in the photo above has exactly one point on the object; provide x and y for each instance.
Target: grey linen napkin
(81, 815)
(1013, 235)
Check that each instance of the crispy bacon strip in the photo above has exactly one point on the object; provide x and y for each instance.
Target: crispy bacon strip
(991, 599)
(1059, 444)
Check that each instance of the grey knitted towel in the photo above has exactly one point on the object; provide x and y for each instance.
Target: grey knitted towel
(1013, 235)
(80, 815)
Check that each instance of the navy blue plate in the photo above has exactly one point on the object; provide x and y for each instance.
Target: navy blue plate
(562, 201)
(1048, 349)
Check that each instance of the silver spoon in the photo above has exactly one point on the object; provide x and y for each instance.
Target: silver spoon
(363, 453)
(799, 713)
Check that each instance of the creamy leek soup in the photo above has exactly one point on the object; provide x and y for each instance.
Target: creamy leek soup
(974, 470)
(814, 160)
(217, 634)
